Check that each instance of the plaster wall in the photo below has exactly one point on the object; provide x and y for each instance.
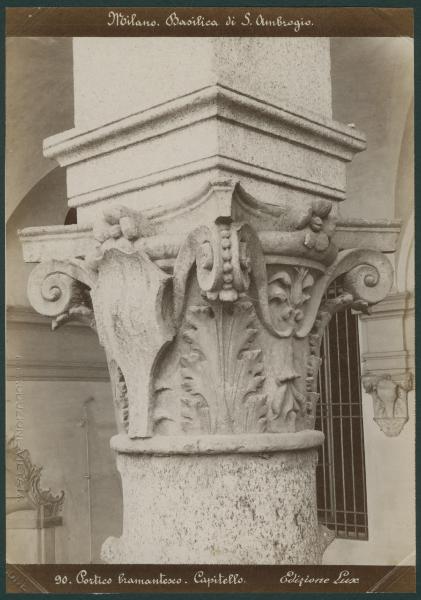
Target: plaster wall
(372, 87)
(55, 430)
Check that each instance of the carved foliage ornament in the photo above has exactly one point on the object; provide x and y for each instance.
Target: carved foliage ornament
(287, 402)
(222, 371)
(326, 311)
(390, 400)
(27, 492)
(139, 308)
(289, 289)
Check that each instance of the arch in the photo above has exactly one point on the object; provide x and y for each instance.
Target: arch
(404, 206)
(45, 204)
(39, 103)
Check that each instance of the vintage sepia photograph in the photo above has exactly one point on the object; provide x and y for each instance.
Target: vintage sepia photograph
(210, 330)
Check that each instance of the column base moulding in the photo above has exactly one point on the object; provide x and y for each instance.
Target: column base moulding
(260, 443)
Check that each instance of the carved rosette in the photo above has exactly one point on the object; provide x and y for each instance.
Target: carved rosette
(219, 332)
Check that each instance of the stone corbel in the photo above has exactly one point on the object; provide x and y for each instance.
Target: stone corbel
(388, 367)
(390, 400)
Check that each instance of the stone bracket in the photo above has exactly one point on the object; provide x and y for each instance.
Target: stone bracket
(388, 368)
(390, 400)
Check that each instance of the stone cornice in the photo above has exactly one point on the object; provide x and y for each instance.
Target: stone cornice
(53, 370)
(389, 315)
(28, 316)
(76, 239)
(362, 233)
(394, 305)
(22, 321)
(389, 361)
(283, 121)
(25, 314)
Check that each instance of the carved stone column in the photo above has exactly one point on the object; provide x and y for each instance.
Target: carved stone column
(210, 304)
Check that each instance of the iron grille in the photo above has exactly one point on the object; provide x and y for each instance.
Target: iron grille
(341, 478)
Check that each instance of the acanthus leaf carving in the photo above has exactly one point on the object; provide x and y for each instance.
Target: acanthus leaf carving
(137, 307)
(327, 309)
(120, 396)
(132, 303)
(367, 277)
(225, 273)
(84, 290)
(221, 371)
(289, 289)
(287, 402)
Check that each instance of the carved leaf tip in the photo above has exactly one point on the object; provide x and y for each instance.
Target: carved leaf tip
(229, 371)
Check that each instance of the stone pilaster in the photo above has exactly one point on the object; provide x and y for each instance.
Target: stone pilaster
(202, 257)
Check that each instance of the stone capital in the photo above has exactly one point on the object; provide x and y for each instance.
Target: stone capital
(194, 324)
